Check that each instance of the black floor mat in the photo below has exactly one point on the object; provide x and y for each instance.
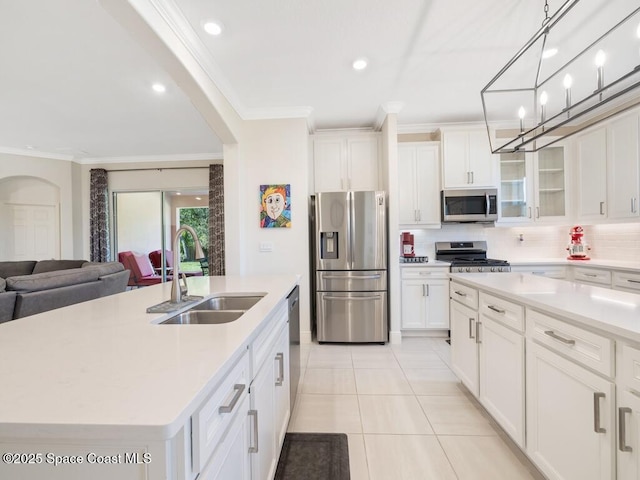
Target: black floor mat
(314, 456)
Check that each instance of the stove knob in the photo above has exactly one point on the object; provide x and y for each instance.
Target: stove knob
(460, 269)
(493, 269)
(480, 269)
(468, 269)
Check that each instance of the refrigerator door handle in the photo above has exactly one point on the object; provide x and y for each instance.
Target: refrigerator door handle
(358, 277)
(350, 226)
(372, 297)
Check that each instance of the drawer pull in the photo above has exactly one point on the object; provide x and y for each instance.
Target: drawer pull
(590, 275)
(596, 412)
(495, 309)
(239, 388)
(478, 332)
(632, 281)
(471, 320)
(424, 273)
(280, 379)
(553, 334)
(254, 448)
(462, 294)
(622, 430)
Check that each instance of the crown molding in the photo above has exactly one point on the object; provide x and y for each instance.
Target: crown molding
(384, 110)
(153, 158)
(277, 112)
(28, 152)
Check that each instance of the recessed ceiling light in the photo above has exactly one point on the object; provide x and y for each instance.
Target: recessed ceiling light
(159, 88)
(198, 198)
(360, 64)
(549, 52)
(212, 27)
(178, 193)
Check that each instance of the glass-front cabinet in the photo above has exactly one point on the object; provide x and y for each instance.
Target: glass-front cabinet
(533, 186)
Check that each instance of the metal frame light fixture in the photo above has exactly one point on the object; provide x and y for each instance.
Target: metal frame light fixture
(556, 85)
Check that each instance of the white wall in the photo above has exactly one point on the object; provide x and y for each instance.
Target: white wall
(269, 152)
(59, 173)
(139, 222)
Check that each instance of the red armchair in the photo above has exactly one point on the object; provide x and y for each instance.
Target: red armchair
(142, 273)
(156, 260)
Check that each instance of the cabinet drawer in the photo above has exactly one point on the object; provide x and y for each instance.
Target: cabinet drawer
(556, 271)
(587, 348)
(630, 367)
(627, 281)
(413, 273)
(589, 275)
(466, 295)
(502, 311)
(212, 420)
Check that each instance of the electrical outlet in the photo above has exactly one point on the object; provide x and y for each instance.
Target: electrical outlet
(266, 246)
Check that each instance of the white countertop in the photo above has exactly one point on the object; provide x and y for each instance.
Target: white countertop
(595, 263)
(610, 311)
(429, 264)
(103, 368)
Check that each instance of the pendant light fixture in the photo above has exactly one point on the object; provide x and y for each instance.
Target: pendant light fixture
(556, 83)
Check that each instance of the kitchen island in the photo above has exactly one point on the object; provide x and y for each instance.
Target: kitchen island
(104, 378)
(557, 365)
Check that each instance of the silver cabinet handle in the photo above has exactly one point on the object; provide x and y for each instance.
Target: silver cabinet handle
(590, 275)
(553, 334)
(429, 273)
(601, 208)
(478, 332)
(495, 309)
(239, 388)
(462, 294)
(537, 212)
(529, 212)
(471, 320)
(632, 281)
(419, 215)
(425, 290)
(254, 414)
(415, 215)
(633, 205)
(622, 430)
(468, 178)
(596, 412)
(472, 177)
(280, 359)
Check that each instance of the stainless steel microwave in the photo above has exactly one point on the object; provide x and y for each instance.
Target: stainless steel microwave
(469, 205)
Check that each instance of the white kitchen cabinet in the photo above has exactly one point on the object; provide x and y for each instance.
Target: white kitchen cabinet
(346, 162)
(570, 418)
(270, 402)
(464, 345)
(467, 161)
(551, 271)
(592, 276)
(501, 370)
(533, 186)
(419, 183)
(425, 298)
(626, 281)
(623, 174)
(628, 451)
(608, 171)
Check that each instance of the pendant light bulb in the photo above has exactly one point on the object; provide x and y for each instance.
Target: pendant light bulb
(601, 57)
(521, 113)
(567, 81)
(544, 98)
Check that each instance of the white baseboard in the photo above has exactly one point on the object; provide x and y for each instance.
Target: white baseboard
(305, 337)
(395, 338)
(425, 333)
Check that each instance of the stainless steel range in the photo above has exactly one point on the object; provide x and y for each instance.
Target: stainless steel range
(469, 257)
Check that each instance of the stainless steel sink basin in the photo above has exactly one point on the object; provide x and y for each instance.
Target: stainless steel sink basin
(229, 303)
(204, 317)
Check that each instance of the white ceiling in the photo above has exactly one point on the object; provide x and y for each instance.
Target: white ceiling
(76, 85)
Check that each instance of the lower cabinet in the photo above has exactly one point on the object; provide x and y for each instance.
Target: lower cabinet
(425, 298)
(270, 409)
(628, 435)
(464, 345)
(501, 370)
(570, 418)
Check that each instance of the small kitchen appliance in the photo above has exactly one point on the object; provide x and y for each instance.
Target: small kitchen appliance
(577, 249)
(407, 245)
(469, 257)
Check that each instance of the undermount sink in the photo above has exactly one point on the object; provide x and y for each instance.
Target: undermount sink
(229, 303)
(204, 317)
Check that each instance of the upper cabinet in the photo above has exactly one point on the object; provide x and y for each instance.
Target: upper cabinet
(533, 186)
(419, 183)
(344, 162)
(608, 173)
(467, 159)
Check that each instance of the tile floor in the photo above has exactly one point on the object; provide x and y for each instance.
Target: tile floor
(406, 414)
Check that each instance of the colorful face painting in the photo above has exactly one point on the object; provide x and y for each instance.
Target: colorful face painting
(275, 206)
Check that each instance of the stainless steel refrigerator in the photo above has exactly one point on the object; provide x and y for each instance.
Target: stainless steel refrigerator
(350, 265)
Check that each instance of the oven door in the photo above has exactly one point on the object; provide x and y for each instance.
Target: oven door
(477, 205)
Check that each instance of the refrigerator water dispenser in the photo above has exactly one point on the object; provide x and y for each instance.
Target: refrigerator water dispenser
(329, 245)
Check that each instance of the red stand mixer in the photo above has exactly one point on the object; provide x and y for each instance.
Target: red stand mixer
(577, 249)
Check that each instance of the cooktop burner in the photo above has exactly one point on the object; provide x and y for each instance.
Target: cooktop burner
(469, 257)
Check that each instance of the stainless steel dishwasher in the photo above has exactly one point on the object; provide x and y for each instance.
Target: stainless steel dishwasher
(294, 342)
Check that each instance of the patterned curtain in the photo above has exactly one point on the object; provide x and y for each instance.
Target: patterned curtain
(216, 220)
(99, 216)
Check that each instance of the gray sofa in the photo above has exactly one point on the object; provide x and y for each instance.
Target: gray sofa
(31, 287)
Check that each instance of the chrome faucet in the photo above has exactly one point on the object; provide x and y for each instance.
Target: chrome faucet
(176, 291)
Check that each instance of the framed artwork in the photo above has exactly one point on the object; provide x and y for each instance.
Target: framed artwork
(275, 206)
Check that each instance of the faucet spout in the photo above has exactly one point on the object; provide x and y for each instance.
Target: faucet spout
(176, 292)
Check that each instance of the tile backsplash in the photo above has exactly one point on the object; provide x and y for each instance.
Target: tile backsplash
(607, 242)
